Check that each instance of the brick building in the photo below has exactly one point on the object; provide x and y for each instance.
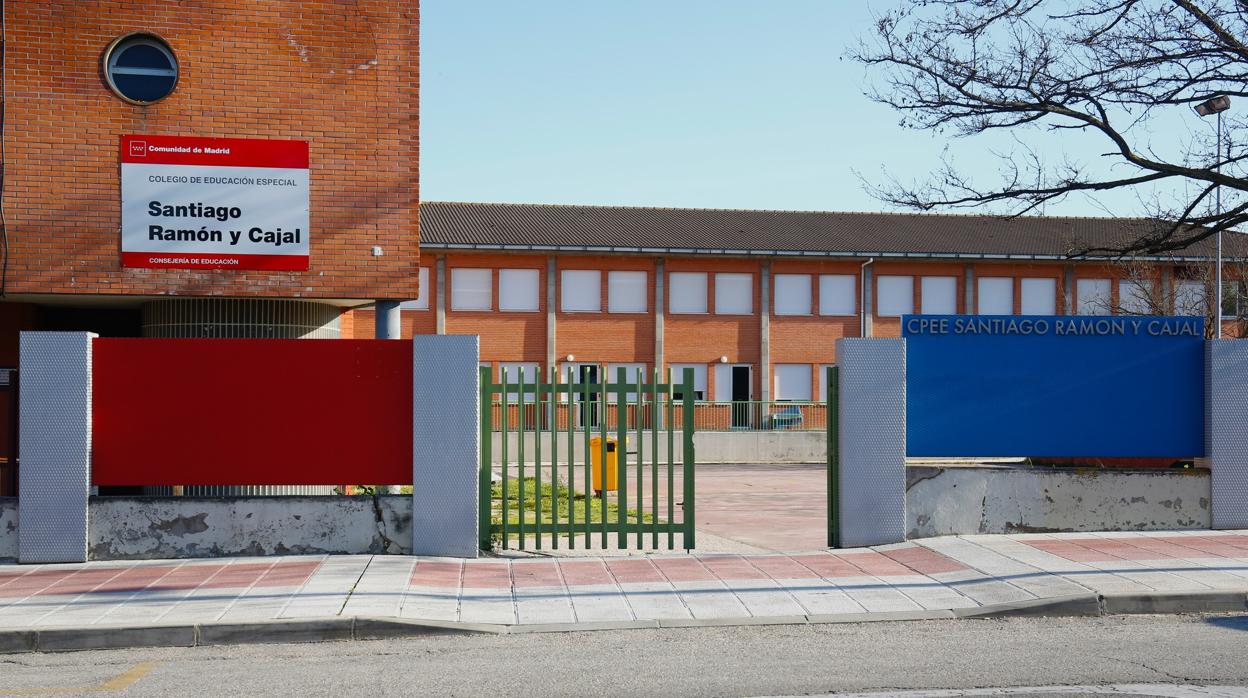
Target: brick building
(343, 77)
(753, 301)
(81, 76)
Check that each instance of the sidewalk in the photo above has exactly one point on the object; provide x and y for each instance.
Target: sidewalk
(303, 598)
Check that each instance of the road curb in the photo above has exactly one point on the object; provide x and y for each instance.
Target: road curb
(1071, 605)
(340, 629)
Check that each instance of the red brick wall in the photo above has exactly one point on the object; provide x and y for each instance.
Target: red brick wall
(343, 76)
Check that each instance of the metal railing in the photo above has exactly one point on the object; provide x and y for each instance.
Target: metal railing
(543, 495)
(742, 415)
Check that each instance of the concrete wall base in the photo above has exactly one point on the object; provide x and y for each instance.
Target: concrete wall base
(135, 528)
(956, 500)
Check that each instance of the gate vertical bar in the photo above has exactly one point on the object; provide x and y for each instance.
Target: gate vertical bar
(671, 464)
(521, 432)
(505, 436)
(686, 393)
(832, 418)
(538, 500)
(571, 467)
(638, 411)
(552, 409)
(621, 455)
(486, 469)
(654, 458)
(602, 451)
(589, 482)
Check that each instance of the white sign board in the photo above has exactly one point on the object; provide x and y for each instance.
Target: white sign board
(214, 203)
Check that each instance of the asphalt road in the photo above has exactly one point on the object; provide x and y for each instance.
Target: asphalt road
(753, 661)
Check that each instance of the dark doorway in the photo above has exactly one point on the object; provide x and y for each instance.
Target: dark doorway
(741, 396)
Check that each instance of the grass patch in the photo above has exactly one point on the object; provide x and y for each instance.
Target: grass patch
(528, 509)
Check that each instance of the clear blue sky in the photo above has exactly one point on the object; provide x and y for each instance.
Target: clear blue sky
(685, 103)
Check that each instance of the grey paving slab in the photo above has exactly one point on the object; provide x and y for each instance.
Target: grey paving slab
(767, 597)
(544, 605)
(654, 601)
(929, 593)
(875, 595)
(600, 603)
(710, 599)
(1030, 578)
(1077, 572)
(329, 587)
(380, 589)
(985, 590)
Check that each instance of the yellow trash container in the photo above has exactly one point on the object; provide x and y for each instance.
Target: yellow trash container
(595, 455)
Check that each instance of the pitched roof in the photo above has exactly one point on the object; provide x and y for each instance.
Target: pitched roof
(802, 233)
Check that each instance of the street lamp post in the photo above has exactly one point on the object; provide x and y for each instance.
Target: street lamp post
(1217, 105)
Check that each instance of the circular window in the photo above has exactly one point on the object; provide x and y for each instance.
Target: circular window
(141, 68)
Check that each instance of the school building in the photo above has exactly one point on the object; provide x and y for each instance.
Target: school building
(753, 301)
(224, 169)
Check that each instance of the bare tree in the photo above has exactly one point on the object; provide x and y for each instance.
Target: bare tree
(1044, 69)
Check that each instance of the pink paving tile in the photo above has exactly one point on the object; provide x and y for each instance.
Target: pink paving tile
(444, 575)
(544, 573)
(781, 567)
(875, 564)
(1171, 546)
(732, 567)
(1124, 551)
(84, 581)
(827, 566)
(585, 573)
(1231, 546)
(487, 575)
(186, 577)
(237, 576)
(634, 571)
(289, 574)
(925, 560)
(683, 569)
(133, 579)
(19, 585)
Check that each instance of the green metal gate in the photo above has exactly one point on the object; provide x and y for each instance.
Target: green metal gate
(543, 493)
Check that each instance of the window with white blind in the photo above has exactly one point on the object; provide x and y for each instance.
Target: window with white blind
(838, 294)
(626, 291)
(734, 294)
(823, 381)
(792, 294)
(630, 371)
(996, 295)
(1092, 296)
(699, 376)
(471, 289)
(894, 296)
(421, 302)
(580, 291)
(518, 289)
(792, 382)
(938, 295)
(1189, 298)
(686, 293)
(1039, 296)
(1135, 297)
(517, 372)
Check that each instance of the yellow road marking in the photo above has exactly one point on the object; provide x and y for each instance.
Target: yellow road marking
(119, 682)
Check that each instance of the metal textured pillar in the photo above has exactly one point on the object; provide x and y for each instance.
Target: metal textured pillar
(872, 414)
(55, 443)
(1226, 439)
(445, 442)
(387, 320)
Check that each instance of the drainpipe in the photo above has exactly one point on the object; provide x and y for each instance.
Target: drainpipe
(866, 304)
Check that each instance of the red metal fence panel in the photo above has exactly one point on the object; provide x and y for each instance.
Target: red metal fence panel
(251, 412)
